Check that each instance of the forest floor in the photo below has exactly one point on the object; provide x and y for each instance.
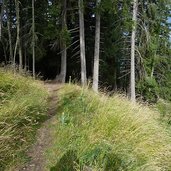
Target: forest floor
(43, 138)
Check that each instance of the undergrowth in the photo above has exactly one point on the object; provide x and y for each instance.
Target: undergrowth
(23, 103)
(164, 107)
(106, 133)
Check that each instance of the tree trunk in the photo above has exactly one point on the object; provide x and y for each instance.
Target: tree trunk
(18, 41)
(8, 13)
(33, 39)
(1, 23)
(25, 59)
(20, 57)
(63, 44)
(82, 44)
(133, 37)
(10, 38)
(96, 51)
(15, 52)
(5, 53)
(1, 11)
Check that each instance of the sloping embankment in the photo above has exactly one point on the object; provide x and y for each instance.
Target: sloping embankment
(23, 106)
(106, 133)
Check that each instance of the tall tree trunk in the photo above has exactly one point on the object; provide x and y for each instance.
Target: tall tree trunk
(82, 43)
(25, 59)
(5, 52)
(96, 50)
(1, 11)
(63, 44)
(8, 14)
(133, 37)
(15, 52)
(18, 41)
(33, 39)
(9, 38)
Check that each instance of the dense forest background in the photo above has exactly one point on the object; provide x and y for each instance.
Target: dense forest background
(36, 36)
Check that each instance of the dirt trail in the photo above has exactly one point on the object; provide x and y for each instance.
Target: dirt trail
(43, 139)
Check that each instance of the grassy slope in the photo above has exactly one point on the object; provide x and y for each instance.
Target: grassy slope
(23, 103)
(106, 133)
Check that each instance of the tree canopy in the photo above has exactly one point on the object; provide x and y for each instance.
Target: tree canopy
(48, 35)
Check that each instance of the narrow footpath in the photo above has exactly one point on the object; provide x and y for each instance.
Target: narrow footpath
(43, 138)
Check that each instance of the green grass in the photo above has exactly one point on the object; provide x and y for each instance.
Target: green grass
(106, 133)
(164, 108)
(23, 105)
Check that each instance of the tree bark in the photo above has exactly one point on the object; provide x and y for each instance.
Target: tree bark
(82, 44)
(9, 37)
(25, 59)
(133, 37)
(18, 41)
(5, 53)
(63, 44)
(33, 39)
(15, 52)
(1, 11)
(1, 24)
(96, 51)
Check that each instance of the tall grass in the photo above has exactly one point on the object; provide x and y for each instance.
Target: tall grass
(23, 103)
(164, 107)
(106, 133)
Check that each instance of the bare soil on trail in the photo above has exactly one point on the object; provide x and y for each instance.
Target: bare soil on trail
(43, 138)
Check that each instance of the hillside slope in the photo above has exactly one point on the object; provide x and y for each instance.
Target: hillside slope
(90, 132)
(23, 105)
(106, 133)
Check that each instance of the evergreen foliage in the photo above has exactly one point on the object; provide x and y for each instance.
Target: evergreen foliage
(152, 42)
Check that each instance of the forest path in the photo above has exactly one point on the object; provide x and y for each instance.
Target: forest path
(43, 137)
